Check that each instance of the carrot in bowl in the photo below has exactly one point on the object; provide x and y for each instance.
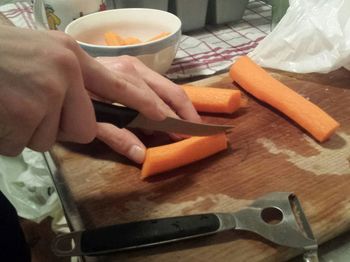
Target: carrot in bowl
(213, 100)
(132, 41)
(113, 39)
(260, 84)
(159, 36)
(164, 158)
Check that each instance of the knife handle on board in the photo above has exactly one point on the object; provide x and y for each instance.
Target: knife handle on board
(117, 115)
(138, 234)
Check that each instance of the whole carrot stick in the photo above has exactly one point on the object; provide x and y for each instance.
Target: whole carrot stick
(213, 100)
(163, 158)
(260, 84)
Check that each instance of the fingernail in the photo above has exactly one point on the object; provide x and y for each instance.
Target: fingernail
(137, 154)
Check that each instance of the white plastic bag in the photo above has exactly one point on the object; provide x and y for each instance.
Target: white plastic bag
(313, 36)
(26, 182)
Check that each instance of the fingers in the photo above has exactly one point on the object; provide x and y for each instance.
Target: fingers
(42, 92)
(122, 141)
(172, 94)
(122, 84)
(14, 135)
(46, 132)
(78, 122)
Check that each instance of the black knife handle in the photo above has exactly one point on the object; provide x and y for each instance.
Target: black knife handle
(117, 115)
(137, 234)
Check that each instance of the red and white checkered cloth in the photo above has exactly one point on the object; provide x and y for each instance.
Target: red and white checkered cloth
(214, 48)
(203, 52)
(20, 14)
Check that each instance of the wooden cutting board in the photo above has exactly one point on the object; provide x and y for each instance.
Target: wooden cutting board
(267, 152)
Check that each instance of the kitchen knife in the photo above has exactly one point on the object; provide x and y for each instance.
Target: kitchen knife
(126, 117)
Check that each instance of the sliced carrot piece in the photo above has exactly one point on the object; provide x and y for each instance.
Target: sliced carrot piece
(113, 39)
(168, 157)
(131, 41)
(260, 84)
(159, 36)
(213, 100)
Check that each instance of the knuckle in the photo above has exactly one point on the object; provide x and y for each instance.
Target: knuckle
(128, 59)
(156, 109)
(118, 140)
(65, 40)
(64, 58)
(121, 144)
(77, 136)
(180, 94)
(151, 104)
(125, 66)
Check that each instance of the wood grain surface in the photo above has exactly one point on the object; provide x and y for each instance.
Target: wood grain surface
(267, 152)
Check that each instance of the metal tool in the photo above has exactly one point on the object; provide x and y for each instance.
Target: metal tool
(126, 117)
(277, 217)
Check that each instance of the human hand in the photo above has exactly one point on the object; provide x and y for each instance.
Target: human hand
(42, 91)
(139, 79)
(43, 98)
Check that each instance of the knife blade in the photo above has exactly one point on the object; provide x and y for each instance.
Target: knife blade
(124, 117)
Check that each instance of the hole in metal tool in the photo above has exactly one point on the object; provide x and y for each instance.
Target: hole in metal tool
(65, 244)
(271, 215)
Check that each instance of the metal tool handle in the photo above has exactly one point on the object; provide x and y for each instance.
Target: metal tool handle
(137, 234)
(117, 115)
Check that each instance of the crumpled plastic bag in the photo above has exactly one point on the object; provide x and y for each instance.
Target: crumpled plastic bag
(313, 36)
(26, 182)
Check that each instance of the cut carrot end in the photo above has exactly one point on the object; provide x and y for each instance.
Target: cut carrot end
(260, 84)
(213, 100)
(164, 158)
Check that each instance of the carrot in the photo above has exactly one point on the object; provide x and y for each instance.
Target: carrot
(260, 84)
(131, 41)
(168, 157)
(113, 39)
(213, 100)
(159, 36)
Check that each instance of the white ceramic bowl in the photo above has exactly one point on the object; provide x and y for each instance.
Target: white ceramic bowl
(137, 22)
